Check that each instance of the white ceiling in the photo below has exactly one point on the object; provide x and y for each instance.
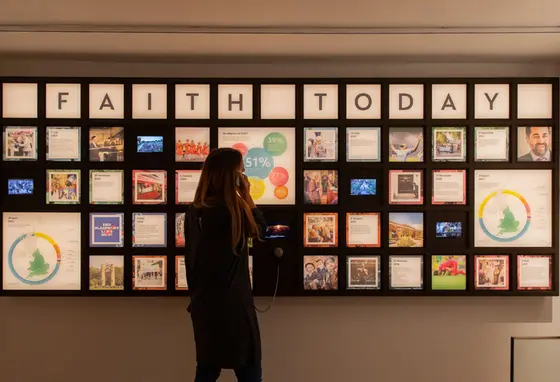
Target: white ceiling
(407, 37)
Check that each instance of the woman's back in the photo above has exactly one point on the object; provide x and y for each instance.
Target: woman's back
(217, 276)
(225, 323)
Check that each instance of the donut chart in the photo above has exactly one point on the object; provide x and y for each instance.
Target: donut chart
(20, 239)
(490, 197)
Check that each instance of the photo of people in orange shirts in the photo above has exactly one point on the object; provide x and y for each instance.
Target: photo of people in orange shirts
(192, 144)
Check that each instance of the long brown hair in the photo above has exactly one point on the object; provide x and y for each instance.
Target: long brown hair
(217, 185)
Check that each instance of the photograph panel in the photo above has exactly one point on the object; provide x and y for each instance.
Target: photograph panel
(106, 272)
(449, 272)
(406, 229)
(406, 144)
(320, 186)
(491, 272)
(149, 272)
(106, 144)
(320, 229)
(364, 272)
(320, 272)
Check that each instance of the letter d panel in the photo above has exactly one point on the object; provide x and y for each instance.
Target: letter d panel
(406, 101)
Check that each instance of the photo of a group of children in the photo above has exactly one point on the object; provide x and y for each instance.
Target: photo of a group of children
(320, 186)
(320, 273)
(192, 144)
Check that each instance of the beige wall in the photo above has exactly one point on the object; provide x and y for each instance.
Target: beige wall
(327, 340)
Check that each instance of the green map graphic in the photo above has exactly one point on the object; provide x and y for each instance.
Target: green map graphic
(508, 224)
(38, 266)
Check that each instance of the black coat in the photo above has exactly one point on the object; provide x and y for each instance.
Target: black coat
(226, 329)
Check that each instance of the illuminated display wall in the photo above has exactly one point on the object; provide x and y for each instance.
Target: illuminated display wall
(371, 187)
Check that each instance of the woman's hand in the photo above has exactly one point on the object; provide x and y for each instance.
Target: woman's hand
(245, 191)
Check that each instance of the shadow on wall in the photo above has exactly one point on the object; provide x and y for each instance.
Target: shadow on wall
(473, 309)
(375, 310)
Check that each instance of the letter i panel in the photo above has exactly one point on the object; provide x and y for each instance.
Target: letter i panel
(370, 187)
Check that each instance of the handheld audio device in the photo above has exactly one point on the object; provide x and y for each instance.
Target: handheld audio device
(278, 253)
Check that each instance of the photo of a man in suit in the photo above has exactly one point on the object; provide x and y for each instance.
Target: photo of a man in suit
(538, 141)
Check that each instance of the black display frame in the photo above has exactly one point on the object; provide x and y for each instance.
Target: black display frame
(291, 265)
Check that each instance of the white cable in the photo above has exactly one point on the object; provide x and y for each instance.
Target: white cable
(275, 291)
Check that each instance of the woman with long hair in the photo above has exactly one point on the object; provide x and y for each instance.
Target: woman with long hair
(220, 226)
